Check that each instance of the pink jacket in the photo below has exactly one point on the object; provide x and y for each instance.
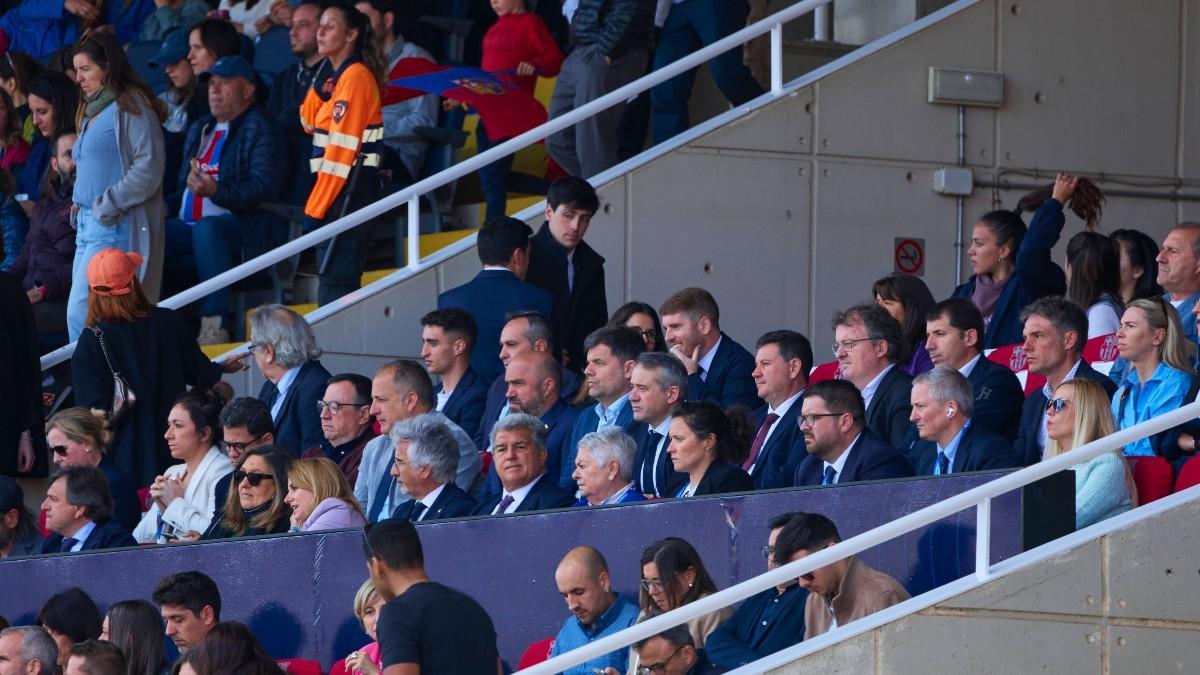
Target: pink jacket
(333, 514)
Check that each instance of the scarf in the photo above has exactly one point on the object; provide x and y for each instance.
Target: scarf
(97, 102)
(987, 293)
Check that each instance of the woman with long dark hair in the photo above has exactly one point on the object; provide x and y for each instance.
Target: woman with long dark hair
(1093, 281)
(704, 444)
(1138, 265)
(257, 496)
(70, 616)
(135, 627)
(644, 319)
(53, 99)
(119, 157)
(14, 151)
(673, 575)
(17, 69)
(908, 300)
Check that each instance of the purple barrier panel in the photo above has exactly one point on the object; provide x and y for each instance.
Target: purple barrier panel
(296, 591)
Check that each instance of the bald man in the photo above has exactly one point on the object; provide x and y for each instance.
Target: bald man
(582, 579)
(534, 380)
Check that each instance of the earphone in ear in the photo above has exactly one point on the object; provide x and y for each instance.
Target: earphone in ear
(949, 413)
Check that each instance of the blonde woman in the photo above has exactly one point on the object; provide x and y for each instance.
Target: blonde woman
(320, 497)
(80, 437)
(367, 660)
(1079, 414)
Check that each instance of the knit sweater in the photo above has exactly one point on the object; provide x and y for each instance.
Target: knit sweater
(1101, 489)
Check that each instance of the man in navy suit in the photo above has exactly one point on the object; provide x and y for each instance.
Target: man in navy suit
(498, 290)
(519, 449)
(447, 336)
(781, 365)
(955, 339)
(611, 353)
(942, 404)
(565, 266)
(533, 379)
(867, 344)
(425, 464)
(841, 449)
(79, 511)
(1055, 332)
(719, 369)
(659, 383)
(286, 353)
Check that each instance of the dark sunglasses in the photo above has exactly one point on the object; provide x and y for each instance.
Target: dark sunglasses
(1056, 406)
(254, 478)
(60, 450)
(808, 577)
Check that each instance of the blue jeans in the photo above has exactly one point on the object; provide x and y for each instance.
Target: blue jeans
(91, 237)
(212, 245)
(493, 178)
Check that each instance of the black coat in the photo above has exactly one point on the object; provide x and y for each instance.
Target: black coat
(544, 494)
(489, 298)
(577, 311)
(451, 503)
(871, 458)
(106, 535)
(218, 530)
(729, 380)
(160, 358)
(719, 478)
(978, 450)
(465, 406)
(1027, 447)
(21, 378)
(891, 406)
(783, 452)
(998, 398)
(298, 426)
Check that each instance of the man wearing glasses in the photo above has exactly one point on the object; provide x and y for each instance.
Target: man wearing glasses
(841, 449)
(245, 425)
(346, 422)
(868, 343)
(671, 652)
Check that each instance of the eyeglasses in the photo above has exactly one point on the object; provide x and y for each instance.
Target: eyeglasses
(1056, 406)
(660, 667)
(254, 346)
(768, 552)
(847, 345)
(811, 418)
(399, 463)
(60, 450)
(808, 577)
(254, 478)
(649, 334)
(335, 407)
(655, 582)
(239, 448)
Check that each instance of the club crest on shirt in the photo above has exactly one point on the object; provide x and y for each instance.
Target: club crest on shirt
(482, 87)
(339, 110)
(327, 86)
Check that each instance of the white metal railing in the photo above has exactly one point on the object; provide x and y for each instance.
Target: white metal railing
(411, 195)
(979, 497)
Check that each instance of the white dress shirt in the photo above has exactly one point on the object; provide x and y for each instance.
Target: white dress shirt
(429, 499)
(518, 495)
(868, 391)
(840, 463)
(705, 361)
(282, 386)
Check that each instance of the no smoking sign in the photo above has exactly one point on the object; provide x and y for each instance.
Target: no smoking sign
(909, 255)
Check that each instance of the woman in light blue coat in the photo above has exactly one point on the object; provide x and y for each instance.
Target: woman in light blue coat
(320, 497)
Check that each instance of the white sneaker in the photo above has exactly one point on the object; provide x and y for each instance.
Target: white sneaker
(211, 332)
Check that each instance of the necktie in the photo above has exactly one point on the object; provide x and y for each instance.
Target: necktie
(67, 544)
(830, 474)
(504, 504)
(417, 510)
(758, 441)
(381, 495)
(650, 463)
(943, 465)
(272, 395)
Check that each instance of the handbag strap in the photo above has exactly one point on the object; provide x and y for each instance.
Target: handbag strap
(104, 348)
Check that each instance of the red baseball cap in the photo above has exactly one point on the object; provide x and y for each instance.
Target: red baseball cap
(112, 271)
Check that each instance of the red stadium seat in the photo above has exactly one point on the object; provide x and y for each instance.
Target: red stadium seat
(299, 666)
(1153, 477)
(1189, 475)
(42, 524)
(486, 458)
(825, 371)
(339, 668)
(536, 653)
(144, 500)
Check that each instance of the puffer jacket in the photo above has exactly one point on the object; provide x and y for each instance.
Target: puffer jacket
(49, 249)
(615, 26)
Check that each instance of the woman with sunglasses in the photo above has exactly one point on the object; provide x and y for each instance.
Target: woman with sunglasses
(184, 495)
(1079, 414)
(256, 504)
(1160, 377)
(673, 575)
(704, 443)
(320, 497)
(80, 437)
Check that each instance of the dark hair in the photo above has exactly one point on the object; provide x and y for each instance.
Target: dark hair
(248, 413)
(916, 299)
(21, 67)
(673, 556)
(204, 407)
(408, 375)
(1007, 227)
(101, 658)
(63, 96)
(219, 37)
(1095, 269)
(1063, 314)
(780, 520)
(880, 326)
(962, 314)
(678, 636)
(234, 516)
(791, 345)
(840, 396)
(499, 237)
(73, 613)
(231, 649)
(1142, 252)
(630, 309)
(1087, 202)
(12, 132)
(537, 328)
(395, 543)
(26, 528)
(805, 531)
(87, 486)
(364, 45)
(136, 627)
(361, 384)
(625, 343)
(731, 428)
(696, 302)
(574, 192)
(192, 591)
(388, 7)
(133, 94)
(458, 324)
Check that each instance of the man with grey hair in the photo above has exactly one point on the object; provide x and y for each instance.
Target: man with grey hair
(286, 352)
(79, 511)
(519, 454)
(942, 405)
(604, 468)
(868, 343)
(402, 390)
(659, 382)
(28, 650)
(424, 465)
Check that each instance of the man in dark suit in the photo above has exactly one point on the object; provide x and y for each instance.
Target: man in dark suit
(519, 449)
(447, 337)
(498, 290)
(867, 344)
(286, 353)
(346, 423)
(942, 404)
(425, 465)
(955, 330)
(1055, 332)
(719, 369)
(659, 383)
(79, 510)
(566, 267)
(781, 365)
(841, 449)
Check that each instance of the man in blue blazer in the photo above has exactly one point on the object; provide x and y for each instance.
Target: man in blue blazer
(659, 383)
(955, 339)
(79, 511)
(867, 343)
(286, 353)
(841, 449)
(1055, 333)
(498, 290)
(447, 336)
(719, 369)
(519, 450)
(942, 404)
(781, 365)
(425, 464)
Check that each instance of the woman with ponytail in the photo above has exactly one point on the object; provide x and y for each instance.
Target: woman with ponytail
(704, 444)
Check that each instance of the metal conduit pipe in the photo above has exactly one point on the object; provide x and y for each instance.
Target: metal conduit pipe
(960, 201)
